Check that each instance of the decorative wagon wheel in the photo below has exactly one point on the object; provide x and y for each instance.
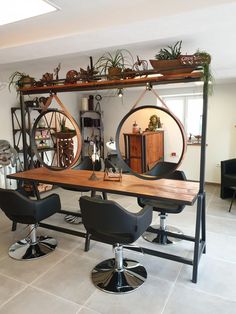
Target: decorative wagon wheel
(56, 138)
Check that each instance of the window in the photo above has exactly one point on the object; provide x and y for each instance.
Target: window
(189, 110)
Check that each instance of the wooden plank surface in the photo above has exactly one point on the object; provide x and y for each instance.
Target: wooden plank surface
(106, 84)
(182, 192)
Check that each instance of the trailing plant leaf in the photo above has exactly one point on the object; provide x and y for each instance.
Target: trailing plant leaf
(206, 60)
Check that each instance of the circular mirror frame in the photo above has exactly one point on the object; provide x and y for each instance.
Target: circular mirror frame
(183, 136)
(77, 134)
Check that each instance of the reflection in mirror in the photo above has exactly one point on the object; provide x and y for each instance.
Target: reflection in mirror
(56, 140)
(151, 141)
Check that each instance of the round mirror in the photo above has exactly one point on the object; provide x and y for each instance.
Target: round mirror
(151, 142)
(56, 140)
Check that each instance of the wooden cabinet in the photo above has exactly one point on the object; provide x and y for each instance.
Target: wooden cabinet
(143, 151)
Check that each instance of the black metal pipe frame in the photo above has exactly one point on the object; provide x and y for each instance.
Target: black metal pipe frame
(24, 141)
(200, 227)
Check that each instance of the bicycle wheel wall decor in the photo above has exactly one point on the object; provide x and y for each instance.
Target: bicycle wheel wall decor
(56, 140)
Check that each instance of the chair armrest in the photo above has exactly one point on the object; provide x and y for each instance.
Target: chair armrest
(52, 201)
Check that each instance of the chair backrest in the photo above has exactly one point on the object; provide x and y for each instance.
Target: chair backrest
(228, 166)
(166, 206)
(110, 222)
(20, 208)
(161, 169)
(15, 205)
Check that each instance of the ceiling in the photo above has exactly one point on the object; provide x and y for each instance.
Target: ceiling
(83, 28)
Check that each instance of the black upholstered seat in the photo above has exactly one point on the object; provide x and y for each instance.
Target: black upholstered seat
(228, 177)
(109, 222)
(157, 233)
(20, 209)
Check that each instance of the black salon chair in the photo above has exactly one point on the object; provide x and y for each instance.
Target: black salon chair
(228, 178)
(20, 209)
(157, 233)
(86, 164)
(108, 222)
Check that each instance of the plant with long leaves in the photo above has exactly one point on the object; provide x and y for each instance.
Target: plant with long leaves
(170, 53)
(16, 78)
(121, 58)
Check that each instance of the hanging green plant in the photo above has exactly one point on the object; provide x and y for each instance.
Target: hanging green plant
(205, 60)
(20, 80)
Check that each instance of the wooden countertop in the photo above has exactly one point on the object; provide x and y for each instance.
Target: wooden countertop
(183, 192)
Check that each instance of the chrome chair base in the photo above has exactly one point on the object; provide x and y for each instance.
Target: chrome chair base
(159, 236)
(108, 278)
(26, 250)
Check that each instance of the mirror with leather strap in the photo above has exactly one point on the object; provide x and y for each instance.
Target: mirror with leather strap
(56, 140)
(151, 142)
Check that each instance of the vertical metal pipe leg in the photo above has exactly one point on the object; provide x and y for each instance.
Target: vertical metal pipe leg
(14, 225)
(197, 239)
(203, 234)
(87, 242)
(104, 195)
(232, 201)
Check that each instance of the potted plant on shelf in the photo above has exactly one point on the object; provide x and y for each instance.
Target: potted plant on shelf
(168, 57)
(65, 132)
(20, 80)
(114, 64)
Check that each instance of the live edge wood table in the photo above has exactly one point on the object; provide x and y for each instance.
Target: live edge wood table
(182, 192)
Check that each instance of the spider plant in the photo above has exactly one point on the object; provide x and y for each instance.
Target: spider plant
(19, 79)
(170, 53)
(119, 59)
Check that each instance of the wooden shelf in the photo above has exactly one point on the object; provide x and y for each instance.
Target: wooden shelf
(154, 79)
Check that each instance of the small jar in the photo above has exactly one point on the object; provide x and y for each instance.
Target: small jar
(135, 128)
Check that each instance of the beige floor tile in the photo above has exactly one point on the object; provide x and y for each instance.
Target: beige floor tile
(221, 225)
(69, 279)
(149, 298)
(221, 246)
(27, 271)
(216, 277)
(8, 288)
(37, 302)
(85, 310)
(187, 301)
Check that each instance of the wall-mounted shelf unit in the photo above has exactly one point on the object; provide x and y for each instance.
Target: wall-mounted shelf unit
(91, 130)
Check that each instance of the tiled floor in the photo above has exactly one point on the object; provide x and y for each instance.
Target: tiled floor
(60, 282)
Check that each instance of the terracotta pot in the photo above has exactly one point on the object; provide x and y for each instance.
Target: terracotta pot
(26, 82)
(170, 66)
(114, 73)
(160, 64)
